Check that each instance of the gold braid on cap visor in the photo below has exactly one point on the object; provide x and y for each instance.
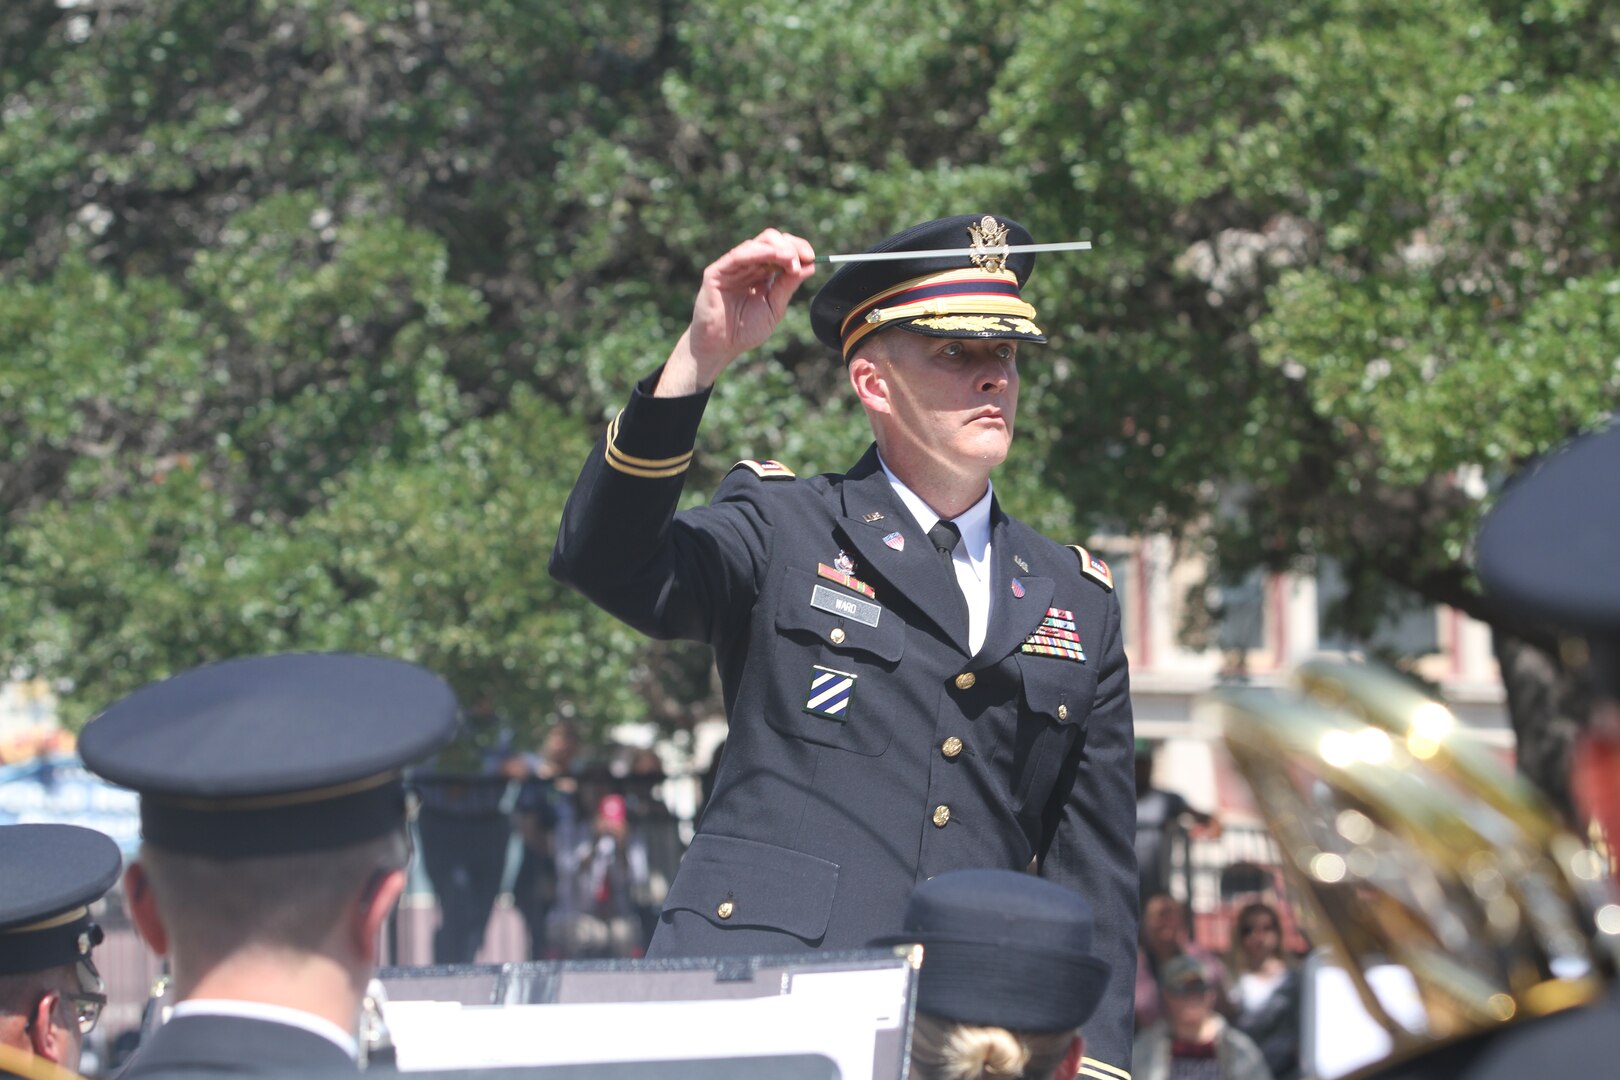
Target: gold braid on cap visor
(945, 298)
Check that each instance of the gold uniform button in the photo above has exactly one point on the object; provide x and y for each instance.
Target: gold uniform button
(837, 635)
(1063, 712)
(952, 747)
(966, 680)
(942, 815)
(725, 909)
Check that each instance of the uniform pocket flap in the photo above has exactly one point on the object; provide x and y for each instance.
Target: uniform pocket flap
(735, 882)
(845, 620)
(1053, 697)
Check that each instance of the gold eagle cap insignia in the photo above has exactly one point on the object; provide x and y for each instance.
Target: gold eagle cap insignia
(988, 233)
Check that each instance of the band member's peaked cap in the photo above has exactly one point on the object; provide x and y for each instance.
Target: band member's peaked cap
(272, 755)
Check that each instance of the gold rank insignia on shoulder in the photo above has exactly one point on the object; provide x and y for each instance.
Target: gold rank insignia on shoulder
(988, 233)
(1094, 567)
(765, 468)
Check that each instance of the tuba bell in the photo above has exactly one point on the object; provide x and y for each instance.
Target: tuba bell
(1413, 849)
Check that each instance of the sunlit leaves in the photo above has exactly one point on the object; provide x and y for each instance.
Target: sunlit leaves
(308, 311)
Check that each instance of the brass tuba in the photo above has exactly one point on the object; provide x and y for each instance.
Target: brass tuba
(1408, 844)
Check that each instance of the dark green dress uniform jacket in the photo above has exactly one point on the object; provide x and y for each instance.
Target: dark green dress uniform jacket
(930, 758)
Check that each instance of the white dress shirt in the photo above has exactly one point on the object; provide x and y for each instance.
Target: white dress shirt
(970, 558)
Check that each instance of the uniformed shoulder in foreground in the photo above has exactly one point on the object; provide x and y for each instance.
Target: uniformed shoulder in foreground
(274, 847)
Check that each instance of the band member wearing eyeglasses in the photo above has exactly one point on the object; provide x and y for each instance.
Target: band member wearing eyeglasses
(50, 992)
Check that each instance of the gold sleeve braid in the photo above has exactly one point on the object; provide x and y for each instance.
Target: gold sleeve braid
(646, 468)
(1101, 1070)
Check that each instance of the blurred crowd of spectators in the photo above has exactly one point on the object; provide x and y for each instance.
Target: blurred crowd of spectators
(1201, 1015)
(585, 848)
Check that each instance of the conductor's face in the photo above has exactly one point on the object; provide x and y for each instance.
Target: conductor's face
(954, 399)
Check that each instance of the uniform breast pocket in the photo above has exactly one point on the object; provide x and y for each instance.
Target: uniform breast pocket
(1057, 696)
(834, 649)
(735, 883)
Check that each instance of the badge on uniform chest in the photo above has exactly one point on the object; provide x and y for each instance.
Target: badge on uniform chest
(850, 607)
(1056, 636)
(830, 691)
(844, 574)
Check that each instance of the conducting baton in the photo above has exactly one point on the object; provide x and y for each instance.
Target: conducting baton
(997, 249)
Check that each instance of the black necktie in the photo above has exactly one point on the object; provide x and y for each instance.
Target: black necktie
(945, 536)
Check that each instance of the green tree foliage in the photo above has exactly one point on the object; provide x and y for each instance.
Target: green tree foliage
(313, 309)
(1357, 264)
(310, 308)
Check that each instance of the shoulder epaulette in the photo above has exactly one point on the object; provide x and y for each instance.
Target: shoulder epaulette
(765, 469)
(1093, 567)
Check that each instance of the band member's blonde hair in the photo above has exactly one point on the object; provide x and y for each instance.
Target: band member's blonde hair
(946, 1050)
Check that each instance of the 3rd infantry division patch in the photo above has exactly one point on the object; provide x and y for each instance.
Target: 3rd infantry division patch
(830, 692)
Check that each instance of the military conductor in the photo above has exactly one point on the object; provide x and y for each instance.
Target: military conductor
(915, 681)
